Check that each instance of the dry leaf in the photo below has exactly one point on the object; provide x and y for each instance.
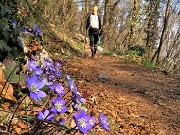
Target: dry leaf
(21, 125)
(17, 129)
(122, 99)
(73, 124)
(5, 106)
(7, 91)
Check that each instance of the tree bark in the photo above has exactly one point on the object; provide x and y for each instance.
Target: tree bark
(159, 50)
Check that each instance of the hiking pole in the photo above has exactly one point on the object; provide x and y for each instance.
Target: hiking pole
(99, 44)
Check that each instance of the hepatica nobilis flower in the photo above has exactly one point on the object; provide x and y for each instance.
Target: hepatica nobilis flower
(62, 121)
(14, 22)
(59, 105)
(38, 71)
(82, 121)
(25, 30)
(46, 82)
(103, 121)
(58, 89)
(58, 65)
(34, 86)
(32, 65)
(45, 115)
(36, 30)
(48, 63)
(68, 77)
(71, 85)
(76, 96)
(92, 121)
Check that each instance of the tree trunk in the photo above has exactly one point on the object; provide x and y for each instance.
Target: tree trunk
(159, 50)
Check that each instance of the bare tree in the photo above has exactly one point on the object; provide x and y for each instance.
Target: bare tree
(166, 18)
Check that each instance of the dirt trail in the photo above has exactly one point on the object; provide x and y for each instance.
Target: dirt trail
(137, 100)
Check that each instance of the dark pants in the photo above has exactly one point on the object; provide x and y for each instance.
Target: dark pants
(93, 43)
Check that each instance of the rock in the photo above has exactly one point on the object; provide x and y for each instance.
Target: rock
(41, 56)
(115, 55)
(103, 76)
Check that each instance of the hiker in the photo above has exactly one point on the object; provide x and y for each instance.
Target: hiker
(93, 27)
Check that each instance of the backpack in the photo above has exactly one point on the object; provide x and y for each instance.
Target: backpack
(94, 21)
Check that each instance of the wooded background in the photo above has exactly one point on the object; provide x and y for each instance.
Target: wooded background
(151, 24)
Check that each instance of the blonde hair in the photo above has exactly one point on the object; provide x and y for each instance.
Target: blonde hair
(95, 10)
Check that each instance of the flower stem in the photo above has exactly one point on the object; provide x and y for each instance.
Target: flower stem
(65, 94)
(39, 124)
(69, 103)
(15, 111)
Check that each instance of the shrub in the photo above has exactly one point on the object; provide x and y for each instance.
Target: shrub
(136, 50)
(147, 64)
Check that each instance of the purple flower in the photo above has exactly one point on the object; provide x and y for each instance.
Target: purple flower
(59, 105)
(45, 115)
(58, 89)
(92, 121)
(76, 96)
(71, 85)
(32, 65)
(68, 77)
(103, 121)
(58, 65)
(34, 86)
(45, 81)
(25, 31)
(56, 72)
(38, 71)
(82, 121)
(37, 31)
(14, 22)
(62, 121)
(48, 63)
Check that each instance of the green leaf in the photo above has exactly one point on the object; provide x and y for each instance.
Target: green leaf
(6, 35)
(10, 71)
(3, 44)
(4, 25)
(92, 133)
(15, 32)
(5, 10)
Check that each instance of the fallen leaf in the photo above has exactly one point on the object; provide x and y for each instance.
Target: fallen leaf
(122, 99)
(73, 124)
(5, 106)
(7, 91)
(21, 125)
(17, 129)
(36, 48)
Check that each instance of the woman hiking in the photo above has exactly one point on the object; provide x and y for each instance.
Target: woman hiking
(93, 27)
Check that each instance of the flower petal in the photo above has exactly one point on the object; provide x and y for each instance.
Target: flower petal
(41, 93)
(46, 112)
(51, 117)
(34, 96)
(40, 115)
(53, 109)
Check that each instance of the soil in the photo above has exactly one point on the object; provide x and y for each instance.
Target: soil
(138, 101)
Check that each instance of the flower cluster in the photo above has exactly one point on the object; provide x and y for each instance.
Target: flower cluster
(46, 79)
(37, 31)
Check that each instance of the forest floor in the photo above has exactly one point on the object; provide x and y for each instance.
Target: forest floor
(138, 101)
